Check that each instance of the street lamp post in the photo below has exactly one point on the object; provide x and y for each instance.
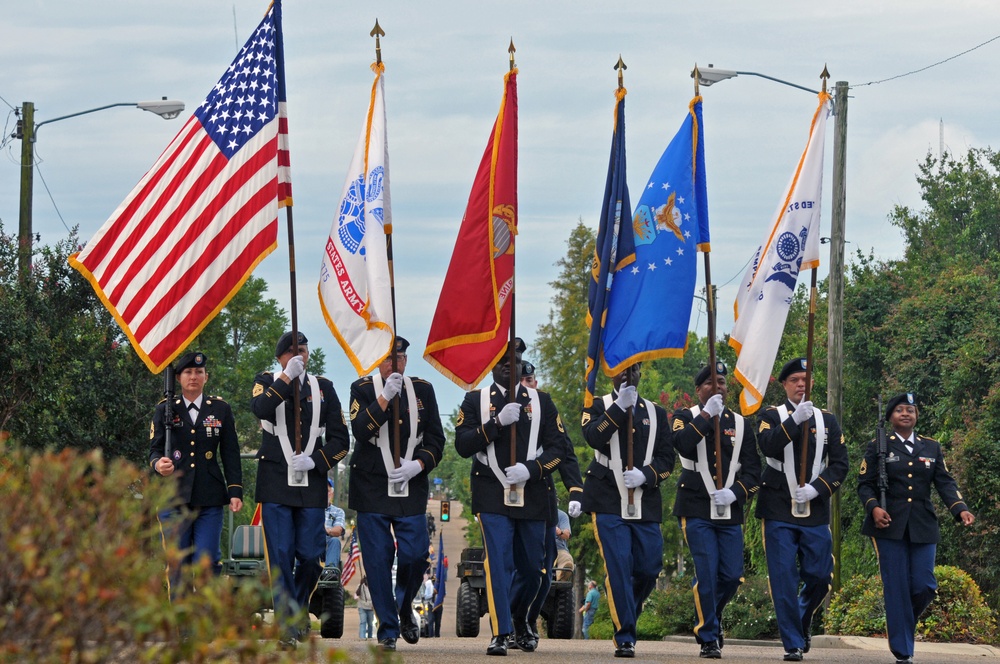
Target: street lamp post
(27, 131)
(838, 222)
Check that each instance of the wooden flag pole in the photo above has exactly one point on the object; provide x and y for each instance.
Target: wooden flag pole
(620, 67)
(513, 497)
(710, 300)
(803, 508)
(720, 510)
(378, 32)
(296, 406)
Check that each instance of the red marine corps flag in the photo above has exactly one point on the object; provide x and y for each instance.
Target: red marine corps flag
(472, 320)
(192, 231)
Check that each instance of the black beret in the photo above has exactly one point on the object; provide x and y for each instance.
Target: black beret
(792, 366)
(285, 342)
(720, 369)
(401, 344)
(907, 397)
(527, 369)
(519, 346)
(189, 360)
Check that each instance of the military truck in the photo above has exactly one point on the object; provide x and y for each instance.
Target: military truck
(558, 611)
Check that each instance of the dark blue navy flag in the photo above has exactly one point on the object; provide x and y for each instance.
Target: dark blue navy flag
(615, 250)
(440, 575)
(649, 308)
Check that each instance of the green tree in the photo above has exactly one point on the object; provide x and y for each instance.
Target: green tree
(925, 324)
(70, 377)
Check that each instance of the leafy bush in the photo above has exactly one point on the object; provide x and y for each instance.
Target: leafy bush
(959, 614)
(750, 615)
(82, 578)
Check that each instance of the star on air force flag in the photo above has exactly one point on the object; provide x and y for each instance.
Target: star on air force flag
(650, 303)
(354, 285)
(791, 246)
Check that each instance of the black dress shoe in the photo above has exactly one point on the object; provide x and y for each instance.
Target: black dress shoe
(722, 640)
(793, 655)
(387, 644)
(710, 650)
(408, 629)
(498, 646)
(533, 630)
(904, 660)
(625, 650)
(809, 640)
(526, 642)
(288, 643)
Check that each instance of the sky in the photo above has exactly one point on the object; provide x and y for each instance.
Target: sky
(445, 61)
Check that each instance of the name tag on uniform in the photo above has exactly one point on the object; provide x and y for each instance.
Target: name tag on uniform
(892, 458)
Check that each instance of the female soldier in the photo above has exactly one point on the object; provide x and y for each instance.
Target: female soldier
(905, 532)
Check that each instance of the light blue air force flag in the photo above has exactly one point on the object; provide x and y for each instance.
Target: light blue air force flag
(650, 303)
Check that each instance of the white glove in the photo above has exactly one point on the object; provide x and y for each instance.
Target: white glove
(627, 396)
(714, 405)
(723, 497)
(302, 463)
(804, 494)
(408, 469)
(634, 478)
(393, 386)
(803, 412)
(575, 509)
(295, 367)
(509, 414)
(517, 474)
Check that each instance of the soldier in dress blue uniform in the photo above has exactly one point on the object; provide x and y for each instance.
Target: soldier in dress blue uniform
(569, 473)
(712, 519)
(797, 535)
(292, 488)
(627, 529)
(392, 502)
(203, 429)
(513, 526)
(906, 532)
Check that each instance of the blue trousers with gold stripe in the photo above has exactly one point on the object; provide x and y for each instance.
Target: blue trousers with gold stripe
(545, 579)
(512, 545)
(382, 538)
(296, 543)
(717, 551)
(797, 553)
(908, 586)
(633, 558)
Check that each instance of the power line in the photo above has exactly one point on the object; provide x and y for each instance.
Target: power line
(917, 71)
(46, 185)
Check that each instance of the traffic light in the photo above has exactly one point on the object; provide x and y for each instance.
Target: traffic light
(445, 511)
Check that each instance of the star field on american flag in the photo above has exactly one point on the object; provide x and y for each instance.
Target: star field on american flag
(246, 97)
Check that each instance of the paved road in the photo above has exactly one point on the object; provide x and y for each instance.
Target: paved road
(848, 651)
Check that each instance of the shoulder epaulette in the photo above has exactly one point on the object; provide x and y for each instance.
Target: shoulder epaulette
(216, 397)
(161, 401)
(419, 380)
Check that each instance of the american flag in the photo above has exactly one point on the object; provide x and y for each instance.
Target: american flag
(191, 232)
(352, 560)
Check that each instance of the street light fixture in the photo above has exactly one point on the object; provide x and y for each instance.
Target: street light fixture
(838, 222)
(27, 131)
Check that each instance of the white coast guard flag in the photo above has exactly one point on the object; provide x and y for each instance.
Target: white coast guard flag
(791, 246)
(354, 284)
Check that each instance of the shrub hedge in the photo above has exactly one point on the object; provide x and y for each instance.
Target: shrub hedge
(82, 578)
(959, 614)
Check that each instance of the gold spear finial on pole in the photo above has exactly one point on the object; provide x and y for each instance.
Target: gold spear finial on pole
(696, 74)
(377, 32)
(511, 49)
(825, 76)
(620, 67)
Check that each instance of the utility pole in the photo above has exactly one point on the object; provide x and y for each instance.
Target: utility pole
(26, 132)
(835, 320)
